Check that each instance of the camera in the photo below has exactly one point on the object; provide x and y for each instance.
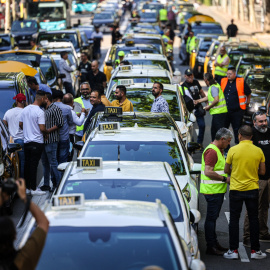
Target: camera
(9, 186)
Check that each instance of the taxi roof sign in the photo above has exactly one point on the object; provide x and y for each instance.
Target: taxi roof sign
(68, 201)
(222, 38)
(89, 163)
(125, 82)
(125, 68)
(109, 127)
(135, 52)
(110, 110)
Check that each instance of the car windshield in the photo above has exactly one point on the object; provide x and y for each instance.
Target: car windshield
(7, 101)
(59, 37)
(47, 69)
(126, 189)
(205, 45)
(25, 26)
(130, 247)
(152, 6)
(259, 82)
(71, 59)
(138, 151)
(4, 41)
(103, 16)
(142, 101)
(143, 62)
(207, 30)
(148, 15)
(31, 59)
(155, 42)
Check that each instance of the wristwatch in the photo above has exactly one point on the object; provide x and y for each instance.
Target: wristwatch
(224, 179)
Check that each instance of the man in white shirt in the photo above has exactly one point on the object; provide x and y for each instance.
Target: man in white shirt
(78, 119)
(32, 121)
(12, 119)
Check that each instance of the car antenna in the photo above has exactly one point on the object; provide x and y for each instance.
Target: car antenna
(118, 169)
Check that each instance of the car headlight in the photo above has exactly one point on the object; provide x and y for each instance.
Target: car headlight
(186, 192)
(200, 59)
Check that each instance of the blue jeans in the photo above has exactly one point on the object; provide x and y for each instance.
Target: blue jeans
(21, 156)
(63, 151)
(251, 199)
(214, 204)
(201, 125)
(49, 161)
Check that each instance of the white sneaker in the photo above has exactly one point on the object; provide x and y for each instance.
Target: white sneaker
(231, 254)
(257, 255)
(37, 192)
(28, 192)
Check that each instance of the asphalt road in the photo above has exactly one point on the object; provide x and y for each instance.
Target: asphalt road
(211, 262)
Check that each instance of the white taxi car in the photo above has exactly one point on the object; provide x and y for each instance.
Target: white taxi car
(139, 74)
(111, 234)
(137, 58)
(132, 180)
(145, 144)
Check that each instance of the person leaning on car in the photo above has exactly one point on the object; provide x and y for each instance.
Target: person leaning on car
(28, 256)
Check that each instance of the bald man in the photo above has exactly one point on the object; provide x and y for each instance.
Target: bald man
(96, 76)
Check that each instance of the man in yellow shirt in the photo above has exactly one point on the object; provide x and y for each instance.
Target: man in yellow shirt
(245, 162)
(121, 99)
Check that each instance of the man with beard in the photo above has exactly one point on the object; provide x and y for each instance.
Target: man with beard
(261, 138)
(121, 99)
(160, 104)
(98, 106)
(82, 102)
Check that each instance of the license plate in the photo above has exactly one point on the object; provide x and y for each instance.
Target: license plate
(23, 41)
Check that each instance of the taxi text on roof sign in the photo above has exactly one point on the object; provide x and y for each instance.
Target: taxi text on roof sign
(135, 52)
(125, 82)
(108, 127)
(68, 201)
(125, 68)
(113, 110)
(89, 163)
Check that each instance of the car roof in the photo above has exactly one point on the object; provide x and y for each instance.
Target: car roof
(203, 24)
(59, 31)
(139, 134)
(57, 45)
(171, 87)
(22, 51)
(146, 36)
(14, 66)
(109, 213)
(130, 170)
(150, 56)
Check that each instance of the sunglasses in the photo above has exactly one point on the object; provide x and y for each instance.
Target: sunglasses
(85, 89)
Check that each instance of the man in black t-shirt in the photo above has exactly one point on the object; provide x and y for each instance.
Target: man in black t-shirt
(193, 89)
(261, 138)
(95, 76)
(84, 67)
(232, 30)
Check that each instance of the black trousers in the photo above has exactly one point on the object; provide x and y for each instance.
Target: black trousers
(69, 88)
(251, 199)
(235, 119)
(32, 154)
(218, 121)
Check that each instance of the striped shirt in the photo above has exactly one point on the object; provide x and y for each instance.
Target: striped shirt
(53, 117)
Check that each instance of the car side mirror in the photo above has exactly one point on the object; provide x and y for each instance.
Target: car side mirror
(213, 58)
(196, 168)
(192, 147)
(197, 264)
(13, 147)
(195, 216)
(79, 145)
(62, 166)
(109, 63)
(61, 76)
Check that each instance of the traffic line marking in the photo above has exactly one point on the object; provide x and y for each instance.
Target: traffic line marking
(227, 214)
(242, 253)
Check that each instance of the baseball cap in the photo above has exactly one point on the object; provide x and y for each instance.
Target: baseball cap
(45, 88)
(20, 97)
(188, 72)
(121, 53)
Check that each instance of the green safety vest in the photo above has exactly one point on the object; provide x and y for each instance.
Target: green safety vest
(209, 186)
(79, 100)
(163, 14)
(191, 44)
(182, 20)
(168, 46)
(221, 71)
(221, 106)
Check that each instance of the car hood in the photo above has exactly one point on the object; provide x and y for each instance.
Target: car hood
(102, 21)
(20, 34)
(258, 98)
(51, 25)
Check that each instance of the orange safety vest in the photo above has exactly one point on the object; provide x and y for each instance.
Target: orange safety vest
(240, 90)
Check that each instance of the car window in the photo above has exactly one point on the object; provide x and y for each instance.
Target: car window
(138, 151)
(47, 69)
